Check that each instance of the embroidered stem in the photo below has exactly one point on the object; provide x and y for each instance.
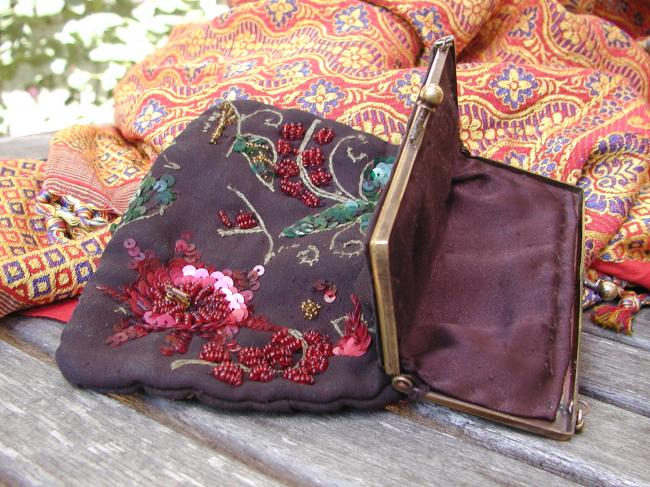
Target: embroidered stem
(267, 122)
(336, 181)
(182, 362)
(262, 227)
(304, 176)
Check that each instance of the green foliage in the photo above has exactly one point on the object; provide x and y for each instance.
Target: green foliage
(81, 46)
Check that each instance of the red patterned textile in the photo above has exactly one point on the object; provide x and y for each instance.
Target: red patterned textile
(560, 88)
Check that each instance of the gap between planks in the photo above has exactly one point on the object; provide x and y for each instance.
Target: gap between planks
(578, 460)
(345, 448)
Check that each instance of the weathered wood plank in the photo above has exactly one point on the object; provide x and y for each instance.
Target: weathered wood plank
(612, 372)
(615, 373)
(640, 337)
(29, 146)
(351, 448)
(53, 434)
(611, 451)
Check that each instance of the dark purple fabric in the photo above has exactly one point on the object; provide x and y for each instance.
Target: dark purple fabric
(202, 186)
(483, 259)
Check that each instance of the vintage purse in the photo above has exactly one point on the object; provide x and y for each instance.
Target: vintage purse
(275, 261)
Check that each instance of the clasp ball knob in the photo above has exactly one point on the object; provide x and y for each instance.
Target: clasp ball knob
(607, 290)
(431, 95)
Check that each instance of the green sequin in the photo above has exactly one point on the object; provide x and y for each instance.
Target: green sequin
(374, 178)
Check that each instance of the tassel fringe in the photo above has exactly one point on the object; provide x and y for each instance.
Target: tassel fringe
(619, 317)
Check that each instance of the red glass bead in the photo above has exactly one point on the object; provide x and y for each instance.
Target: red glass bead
(229, 373)
(223, 216)
(261, 373)
(287, 168)
(245, 220)
(284, 147)
(313, 157)
(310, 199)
(324, 136)
(298, 375)
(285, 340)
(313, 337)
(214, 352)
(320, 177)
(322, 349)
(291, 188)
(314, 365)
(251, 356)
(293, 131)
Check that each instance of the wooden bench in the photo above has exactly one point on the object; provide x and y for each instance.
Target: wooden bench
(52, 433)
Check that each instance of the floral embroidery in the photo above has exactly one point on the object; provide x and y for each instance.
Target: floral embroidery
(408, 88)
(321, 98)
(152, 198)
(281, 11)
(427, 22)
(353, 58)
(597, 83)
(356, 338)
(244, 44)
(351, 19)
(545, 167)
(185, 298)
(260, 155)
(373, 180)
(516, 159)
(514, 86)
(299, 69)
(526, 23)
(556, 144)
(475, 11)
(234, 93)
(616, 37)
(471, 133)
(235, 69)
(150, 115)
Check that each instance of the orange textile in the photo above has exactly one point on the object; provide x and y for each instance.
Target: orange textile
(557, 88)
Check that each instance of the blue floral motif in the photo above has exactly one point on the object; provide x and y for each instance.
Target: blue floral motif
(616, 37)
(516, 159)
(556, 144)
(281, 11)
(514, 86)
(407, 88)
(150, 115)
(526, 23)
(239, 68)
(597, 82)
(293, 70)
(427, 22)
(351, 19)
(234, 93)
(545, 167)
(321, 98)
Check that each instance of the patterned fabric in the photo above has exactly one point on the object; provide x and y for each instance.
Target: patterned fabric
(559, 88)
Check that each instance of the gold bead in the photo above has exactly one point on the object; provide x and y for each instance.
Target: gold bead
(607, 290)
(431, 95)
(310, 309)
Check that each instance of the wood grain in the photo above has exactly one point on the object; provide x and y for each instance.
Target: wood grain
(611, 451)
(354, 448)
(53, 434)
(616, 373)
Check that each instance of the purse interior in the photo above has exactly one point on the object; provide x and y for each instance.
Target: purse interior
(483, 264)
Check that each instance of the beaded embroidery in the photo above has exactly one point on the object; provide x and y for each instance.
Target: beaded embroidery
(185, 298)
(373, 180)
